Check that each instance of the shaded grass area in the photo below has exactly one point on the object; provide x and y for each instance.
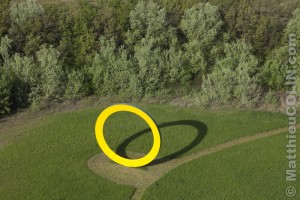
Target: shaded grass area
(49, 160)
(255, 170)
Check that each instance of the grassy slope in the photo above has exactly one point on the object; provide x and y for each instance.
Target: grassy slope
(222, 126)
(49, 160)
(255, 170)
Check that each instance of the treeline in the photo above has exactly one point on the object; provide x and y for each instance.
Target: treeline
(228, 53)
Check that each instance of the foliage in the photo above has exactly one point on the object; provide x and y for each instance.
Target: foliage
(48, 79)
(234, 80)
(277, 62)
(24, 11)
(135, 49)
(78, 85)
(20, 70)
(293, 27)
(112, 69)
(201, 25)
(4, 16)
(275, 68)
(5, 93)
(148, 21)
(26, 26)
(5, 45)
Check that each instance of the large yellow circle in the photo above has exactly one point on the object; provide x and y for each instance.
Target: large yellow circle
(111, 154)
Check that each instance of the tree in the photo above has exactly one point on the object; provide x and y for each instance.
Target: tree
(5, 45)
(151, 38)
(26, 26)
(17, 71)
(48, 80)
(148, 21)
(293, 26)
(120, 12)
(112, 70)
(274, 69)
(246, 22)
(5, 81)
(5, 93)
(261, 37)
(201, 25)
(23, 12)
(78, 85)
(234, 79)
(4, 17)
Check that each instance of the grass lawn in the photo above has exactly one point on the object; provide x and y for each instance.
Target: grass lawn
(255, 170)
(48, 160)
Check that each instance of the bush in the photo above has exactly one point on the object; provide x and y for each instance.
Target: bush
(20, 71)
(201, 26)
(233, 80)
(21, 13)
(271, 99)
(77, 85)
(148, 21)
(274, 70)
(48, 80)
(5, 45)
(111, 69)
(159, 61)
(5, 93)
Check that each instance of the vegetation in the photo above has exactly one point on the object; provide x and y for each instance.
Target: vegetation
(241, 172)
(47, 157)
(220, 53)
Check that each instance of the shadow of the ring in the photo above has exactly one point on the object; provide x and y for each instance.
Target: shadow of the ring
(201, 132)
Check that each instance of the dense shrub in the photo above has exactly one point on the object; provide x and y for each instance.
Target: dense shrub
(20, 70)
(130, 49)
(160, 62)
(78, 85)
(201, 25)
(5, 93)
(274, 71)
(48, 79)
(233, 80)
(112, 69)
(26, 26)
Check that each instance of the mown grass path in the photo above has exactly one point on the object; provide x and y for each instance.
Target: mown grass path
(141, 179)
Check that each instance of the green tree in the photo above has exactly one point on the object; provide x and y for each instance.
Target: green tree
(18, 71)
(120, 12)
(201, 25)
(156, 51)
(78, 85)
(48, 79)
(26, 25)
(234, 79)
(112, 70)
(246, 22)
(261, 37)
(4, 17)
(274, 70)
(5, 93)
(5, 81)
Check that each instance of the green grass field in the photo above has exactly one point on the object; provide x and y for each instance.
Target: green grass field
(255, 170)
(48, 159)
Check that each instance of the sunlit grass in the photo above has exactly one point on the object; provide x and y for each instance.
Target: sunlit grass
(49, 160)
